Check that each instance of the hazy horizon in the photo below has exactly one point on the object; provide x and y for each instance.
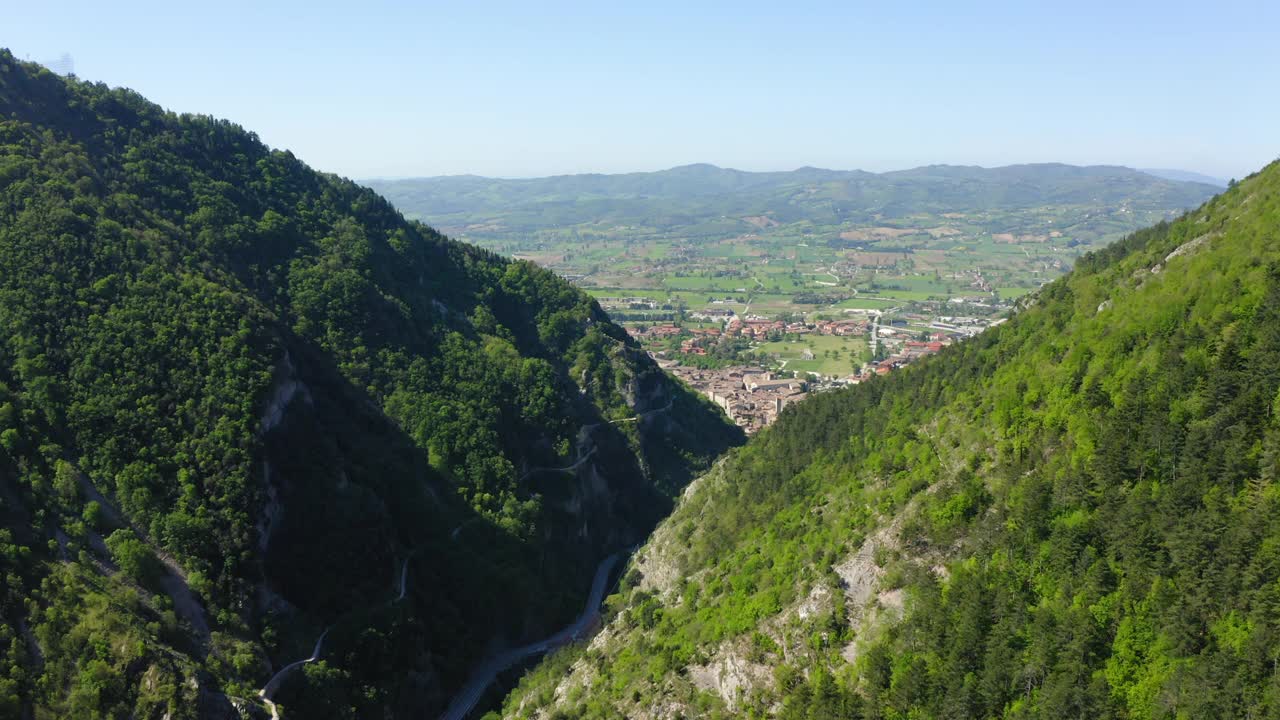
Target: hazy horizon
(516, 91)
(392, 178)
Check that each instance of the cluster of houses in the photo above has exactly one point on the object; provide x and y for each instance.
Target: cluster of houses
(628, 303)
(751, 397)
(966, 326)
(753, 327)
(733, 388)
(654, 332)
(701, 340)
(696, 345)
(841, 327)
(907, 352)
(759, 328)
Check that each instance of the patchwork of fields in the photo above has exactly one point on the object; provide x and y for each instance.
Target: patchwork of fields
(694, 246)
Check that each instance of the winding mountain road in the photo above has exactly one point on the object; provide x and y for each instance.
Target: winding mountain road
(567, 468)
(484, 675)
(646, 413)
(274, 683)
(582, 433)
(268, 691)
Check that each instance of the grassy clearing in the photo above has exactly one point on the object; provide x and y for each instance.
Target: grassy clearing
(831, 355)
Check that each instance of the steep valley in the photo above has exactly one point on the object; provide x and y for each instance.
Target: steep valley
(270, 449)
(1075, 514)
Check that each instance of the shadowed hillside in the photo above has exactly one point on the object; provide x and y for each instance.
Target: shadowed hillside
(240, 399)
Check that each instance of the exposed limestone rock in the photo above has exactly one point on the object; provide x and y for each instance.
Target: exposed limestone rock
(271, 510)
(286, 390)
(1189, 246)
(819, 599)
(730, 675)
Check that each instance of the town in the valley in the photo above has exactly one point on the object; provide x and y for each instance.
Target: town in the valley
(755, 312)
(753, 367)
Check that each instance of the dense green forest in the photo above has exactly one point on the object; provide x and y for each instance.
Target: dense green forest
(1073, 515)
(240, 399)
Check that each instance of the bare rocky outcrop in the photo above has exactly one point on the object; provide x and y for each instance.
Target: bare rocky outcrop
(272, 509)
(815, 603)
(1190, 246)
(216, 705)
(287, 389)
(657, 562)
(859, 574)
(1185, 248)
(730, 675)
(891, 600)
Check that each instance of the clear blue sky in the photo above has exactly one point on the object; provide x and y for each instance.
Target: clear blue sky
(534, 88)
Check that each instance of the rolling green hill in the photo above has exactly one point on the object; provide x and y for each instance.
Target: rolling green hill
(243, 403)
(1073, 515)
(683, 199)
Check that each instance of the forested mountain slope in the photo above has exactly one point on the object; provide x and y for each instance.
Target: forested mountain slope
(242, 401)
(1073, 515)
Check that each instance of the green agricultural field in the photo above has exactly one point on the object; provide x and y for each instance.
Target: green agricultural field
(909, 295)
(861, 303)
(831, 355)
(795, 245)
(599, 292)
(717, 284)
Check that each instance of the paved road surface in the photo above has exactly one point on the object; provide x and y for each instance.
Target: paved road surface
(268, 691)
(646, 413)
(566, 468)
(483, 676)
(404, 577)
(273, 684)
(582, 432)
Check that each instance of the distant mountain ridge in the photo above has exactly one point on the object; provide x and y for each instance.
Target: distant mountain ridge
(1186, 176)
(688, 198)
(713, 179)
(706, 170)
